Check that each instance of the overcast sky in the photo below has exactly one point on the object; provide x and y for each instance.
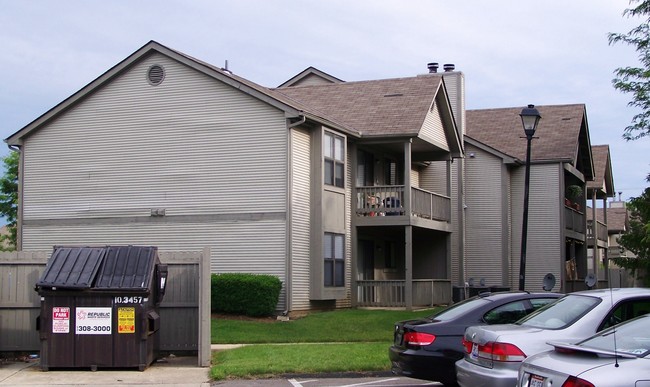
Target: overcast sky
(512, 52)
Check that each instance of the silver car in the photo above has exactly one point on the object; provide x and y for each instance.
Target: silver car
(618, 356)
(494, 353)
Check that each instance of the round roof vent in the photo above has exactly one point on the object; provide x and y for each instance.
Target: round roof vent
(156, 74)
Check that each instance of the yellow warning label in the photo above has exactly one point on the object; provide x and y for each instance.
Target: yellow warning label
(126, 320)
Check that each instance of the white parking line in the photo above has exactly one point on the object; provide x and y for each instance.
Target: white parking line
(296, 383)
(368, 383)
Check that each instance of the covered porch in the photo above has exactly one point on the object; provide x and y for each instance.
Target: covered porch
(401, 266)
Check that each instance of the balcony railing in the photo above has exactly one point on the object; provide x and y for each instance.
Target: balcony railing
(429, 205)
(391, 293)
(574, 220)
(388, 200)
(616, 252)
(601, 230)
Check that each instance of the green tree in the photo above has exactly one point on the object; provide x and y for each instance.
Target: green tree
(636, 80)
(9, 200)
(637, 238)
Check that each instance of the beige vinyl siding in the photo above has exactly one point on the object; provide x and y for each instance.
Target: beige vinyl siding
(545, 245)
(415, 177)
(347, 301)
(455, 85)
(211, 156)
(484, 248)
(433, 177)
(433, 130)
(312, 80)
(300, 218)
(191, 145)
(235, 246)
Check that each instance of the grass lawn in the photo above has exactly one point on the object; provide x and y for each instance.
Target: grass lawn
(358, 341)
(266, 360)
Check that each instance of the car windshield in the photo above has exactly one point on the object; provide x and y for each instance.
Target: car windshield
(561, 313)
(458, 309)
(632, 337)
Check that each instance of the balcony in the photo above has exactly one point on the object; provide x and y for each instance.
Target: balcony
(617, 252)
(601, 233)
(389, 200)
(574, 220)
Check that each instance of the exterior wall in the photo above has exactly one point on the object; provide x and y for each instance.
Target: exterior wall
(330, 213)
(312, 80)
(415, 178)
(300, 218)
(457, 241)
(433, 178)
(209, 156)
(433, 130)
(485, 249)
(346, 301)
(455, 85)
(545, 247)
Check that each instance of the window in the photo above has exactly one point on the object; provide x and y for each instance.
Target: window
(625, 311)
(334, 159)
(334, 259)
(506, 314)
(562, 313)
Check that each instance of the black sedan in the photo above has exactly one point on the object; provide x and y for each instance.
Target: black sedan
(428, 348)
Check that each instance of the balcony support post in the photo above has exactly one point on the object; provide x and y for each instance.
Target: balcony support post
(408, 274)
(408, 233)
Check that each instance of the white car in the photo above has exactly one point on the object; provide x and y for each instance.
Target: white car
(494, 353)
(619, 356)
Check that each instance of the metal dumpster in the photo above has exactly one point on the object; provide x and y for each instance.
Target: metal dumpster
(99, 307)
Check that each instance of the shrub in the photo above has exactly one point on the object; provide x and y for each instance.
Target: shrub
(252, 295)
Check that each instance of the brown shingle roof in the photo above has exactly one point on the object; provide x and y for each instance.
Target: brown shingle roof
(556, 137)
(600, 154)
(616, 218)
(380, 107)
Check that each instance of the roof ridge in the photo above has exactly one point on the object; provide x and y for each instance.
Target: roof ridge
(366, 81)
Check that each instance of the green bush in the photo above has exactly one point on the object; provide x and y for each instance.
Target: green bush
(252, 295)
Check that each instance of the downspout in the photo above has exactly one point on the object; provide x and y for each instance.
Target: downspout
(301, 121)
(19, 208)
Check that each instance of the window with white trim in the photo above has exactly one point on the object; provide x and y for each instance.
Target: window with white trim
(334, 260)
(334, 159)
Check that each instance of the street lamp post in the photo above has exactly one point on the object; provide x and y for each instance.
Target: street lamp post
(529, 118)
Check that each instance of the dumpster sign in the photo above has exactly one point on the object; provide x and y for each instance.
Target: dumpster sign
(126, 320)
(61, 319)
(93, 321)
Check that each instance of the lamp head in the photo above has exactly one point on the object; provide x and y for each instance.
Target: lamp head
(530, 118)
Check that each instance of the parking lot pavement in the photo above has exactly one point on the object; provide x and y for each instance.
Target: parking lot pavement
(178, 371)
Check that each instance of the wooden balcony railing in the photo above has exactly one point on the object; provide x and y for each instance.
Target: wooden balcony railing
(601, 230)
(430, 205)
(574, 220)
(388, 200)
(391, 293)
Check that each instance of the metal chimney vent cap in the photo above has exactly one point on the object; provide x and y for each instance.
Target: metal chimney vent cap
(449, 67)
